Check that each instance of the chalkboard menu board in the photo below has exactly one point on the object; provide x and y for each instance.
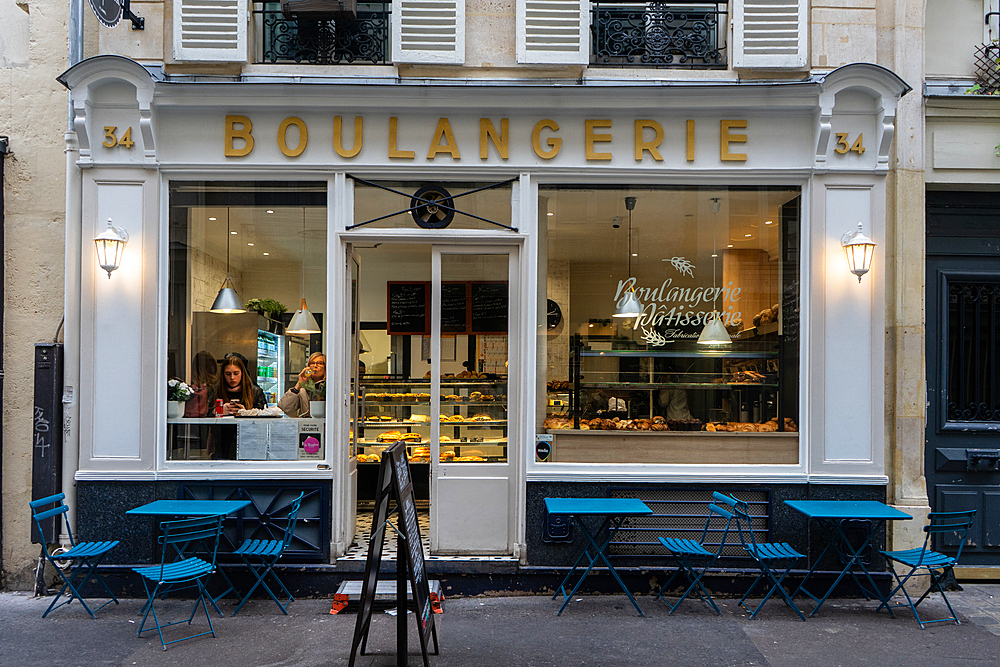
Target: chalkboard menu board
(489, 308)
(454, 307)
(395, 483)
(466, 308)
(408, 308)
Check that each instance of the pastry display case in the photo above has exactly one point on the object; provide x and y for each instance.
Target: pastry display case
(473, 419)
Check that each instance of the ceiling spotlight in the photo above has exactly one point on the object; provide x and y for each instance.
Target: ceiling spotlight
(748, 235)
(714, 255)
(769, 222)
(266, 254)
(249, 244)
(730, 245)
(616, 222)
(213, 219)
(270, 211)
(233, 233)
(550, 213)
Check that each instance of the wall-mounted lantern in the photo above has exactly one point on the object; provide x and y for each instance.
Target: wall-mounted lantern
(860, 249)
(110, 247)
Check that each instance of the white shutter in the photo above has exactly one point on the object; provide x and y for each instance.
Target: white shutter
(553, 31)
(210, 30)
(770, 34)
(428, 31)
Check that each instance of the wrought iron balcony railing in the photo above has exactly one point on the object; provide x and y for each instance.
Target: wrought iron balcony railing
(363, 40)
(658, 34)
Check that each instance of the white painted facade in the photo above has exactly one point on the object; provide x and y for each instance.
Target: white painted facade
(795, 103)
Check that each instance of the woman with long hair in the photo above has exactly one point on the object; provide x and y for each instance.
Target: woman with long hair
(205, 377)
(236, 389)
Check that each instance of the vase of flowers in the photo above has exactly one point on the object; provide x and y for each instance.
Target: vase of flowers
(178, 393)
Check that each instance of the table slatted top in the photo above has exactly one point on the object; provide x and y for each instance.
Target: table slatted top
(597, 506)
(189, 507)
(847, 509)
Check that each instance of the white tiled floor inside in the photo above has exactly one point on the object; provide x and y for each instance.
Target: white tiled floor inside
(359, 549)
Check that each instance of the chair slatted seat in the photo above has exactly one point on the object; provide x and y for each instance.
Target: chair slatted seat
(261, 556)
(773, 559)
(188, 572)
(83, 556)
(935, 565)
(689, 554)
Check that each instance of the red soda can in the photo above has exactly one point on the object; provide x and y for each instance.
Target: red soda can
(218, 407)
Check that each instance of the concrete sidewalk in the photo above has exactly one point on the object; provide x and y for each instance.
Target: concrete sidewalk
(522, 631)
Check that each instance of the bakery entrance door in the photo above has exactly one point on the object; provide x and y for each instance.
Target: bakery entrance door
(474, 304)
(355, 402)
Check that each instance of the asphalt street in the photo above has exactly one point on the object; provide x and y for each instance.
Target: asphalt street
(506, 631)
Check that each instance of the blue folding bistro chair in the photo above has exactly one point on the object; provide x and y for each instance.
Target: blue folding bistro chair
(82, 557)
(937, 566)
(261, 556)
(688, 554)
(185, 573)
(774, 559)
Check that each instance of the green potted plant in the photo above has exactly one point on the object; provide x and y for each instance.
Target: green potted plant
(317, 398)
(267, 307)
(178, 393)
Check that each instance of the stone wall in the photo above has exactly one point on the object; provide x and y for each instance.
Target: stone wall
(33, 110)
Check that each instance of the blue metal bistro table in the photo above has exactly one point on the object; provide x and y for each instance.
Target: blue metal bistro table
(193, 508)
(612, 512)
(830, 515)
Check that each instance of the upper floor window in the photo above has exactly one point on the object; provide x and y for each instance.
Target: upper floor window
(363, 39)
(691, 34)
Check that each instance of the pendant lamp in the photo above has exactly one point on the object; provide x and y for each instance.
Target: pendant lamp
(714, 332)
(303, 322)
(227, 301)
(629, 306)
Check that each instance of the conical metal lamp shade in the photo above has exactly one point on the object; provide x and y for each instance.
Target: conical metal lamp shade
(630, 307)
(714, 332)
(303, 321)
(228, 301)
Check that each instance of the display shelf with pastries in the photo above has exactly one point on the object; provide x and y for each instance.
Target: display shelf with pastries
(487, 451)
(741, 383)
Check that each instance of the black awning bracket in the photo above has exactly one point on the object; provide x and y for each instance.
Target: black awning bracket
(422, 202)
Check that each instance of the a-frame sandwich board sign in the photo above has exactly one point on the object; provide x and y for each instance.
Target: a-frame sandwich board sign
(395, 483)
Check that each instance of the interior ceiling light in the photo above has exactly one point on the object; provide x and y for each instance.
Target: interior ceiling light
(227, 301)
(629, 305)
(714, 332)
(270, 211)
(769, 222)
(213, 219)
(303, 322)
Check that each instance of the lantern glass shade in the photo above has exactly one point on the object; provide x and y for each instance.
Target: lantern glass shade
(629, 306)
(860, 249)
(227, 301)
(110, 247)
(714, 332)
(303, 322)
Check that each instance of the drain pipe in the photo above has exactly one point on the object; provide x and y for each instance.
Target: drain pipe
(3, 154)
(71, 284)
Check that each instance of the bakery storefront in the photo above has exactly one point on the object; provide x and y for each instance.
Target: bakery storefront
(543, 290)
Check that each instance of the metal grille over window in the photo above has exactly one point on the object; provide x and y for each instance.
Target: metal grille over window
(681, 513)
(339, 41)
(656, 33)
(973, 318)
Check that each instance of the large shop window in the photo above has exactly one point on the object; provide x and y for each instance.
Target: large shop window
(266, 242)
(672, 324)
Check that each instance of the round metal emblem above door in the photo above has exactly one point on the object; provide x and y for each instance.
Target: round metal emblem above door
(108, 12)
(433, 207)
